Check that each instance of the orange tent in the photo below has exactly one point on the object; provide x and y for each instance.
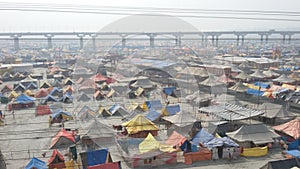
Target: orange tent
(291, 128)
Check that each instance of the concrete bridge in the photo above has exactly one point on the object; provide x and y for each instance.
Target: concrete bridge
(204, 37)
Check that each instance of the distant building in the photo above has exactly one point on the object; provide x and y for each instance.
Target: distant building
(21, 68)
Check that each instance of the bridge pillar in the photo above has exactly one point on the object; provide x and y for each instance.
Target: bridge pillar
(283, 38)
(202, 40)
(151, 37)
(16, 41)
(93, 41)
(123, 41)
(49, 40)
(267, 38)
(243, 39)
(213, 40)
(237, 40)
(205, 40)
(80, 40)
(217, 40)
(178, 40)
(261, 38)
(290, 38)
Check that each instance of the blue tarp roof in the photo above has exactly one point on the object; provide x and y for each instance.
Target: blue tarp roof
(23, 99)
(97, 157)
(50, 98)
(262, 85)
(152, 115)
(202, 136)
(154, 104)
(173, 109)
(55, 89)
(169, 90)
(255, 92)
(294, 145)
(59, 112)
(294, 153)
(67, 95)
(114, 108)
(36, 163)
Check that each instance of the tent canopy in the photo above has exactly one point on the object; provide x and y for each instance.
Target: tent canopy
(203, 136)
(56, 157)
(62, 139)
(23, 99)
(257, 133)
(36, 163)
(291, 128)
(181, 119)
(139, 123)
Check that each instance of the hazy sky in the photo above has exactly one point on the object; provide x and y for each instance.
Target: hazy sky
(26, 21)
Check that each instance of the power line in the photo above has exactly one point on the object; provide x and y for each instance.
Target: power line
(143, 14)
(72, 6)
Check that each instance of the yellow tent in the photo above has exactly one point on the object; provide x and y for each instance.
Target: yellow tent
(144, 106)
(70, 165)
(251, 86)
(13, 94)
(110, 93)
(103, 112)
(139, 123)
(29, 93)
(139, 91)
(134, 106)
(290, 87)
(151, 144)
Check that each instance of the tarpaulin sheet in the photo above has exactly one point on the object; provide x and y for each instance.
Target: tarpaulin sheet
(255, 152)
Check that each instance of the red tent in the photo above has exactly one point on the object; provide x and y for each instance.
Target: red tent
(175, 139)
(56, 160)
(88, 84)
(6, 88)
(62, 139)
(113, 165)
(291, 128)
(41, 93)
(42, 110)
(225, 79)
(99, 78)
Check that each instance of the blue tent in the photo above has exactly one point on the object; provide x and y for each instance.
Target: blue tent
(50, 98)
(262, 85)
(154, 104)
(169, 90)
(202, 136)
(173, 109)
(60, 112)
(152, 115)
(67, 97)
(36, 163)
(55, 90)
(294, 145)
(255, 92)
(97, 157)
(23, 99)
(294, 153)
